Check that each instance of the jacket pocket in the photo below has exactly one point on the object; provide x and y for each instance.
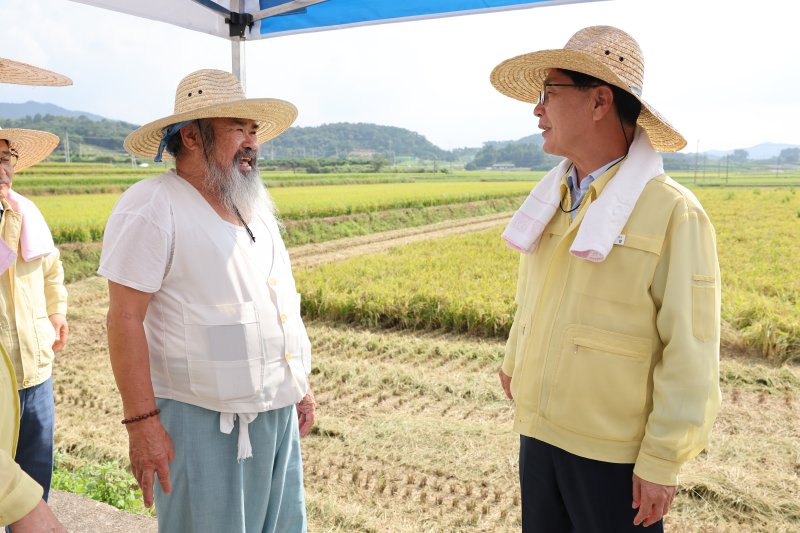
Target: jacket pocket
(45, 338)
(224, 351)
(704, 325)
(600, 388)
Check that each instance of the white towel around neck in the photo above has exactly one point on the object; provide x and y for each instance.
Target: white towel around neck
(604, 218)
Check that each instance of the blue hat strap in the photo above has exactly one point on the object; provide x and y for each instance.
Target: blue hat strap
(167, 134)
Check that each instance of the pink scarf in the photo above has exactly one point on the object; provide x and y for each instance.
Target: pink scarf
(35, 238)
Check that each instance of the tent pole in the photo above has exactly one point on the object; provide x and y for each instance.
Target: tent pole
(237, 46)
(236, 57)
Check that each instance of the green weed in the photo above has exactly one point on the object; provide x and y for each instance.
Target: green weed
(107, 482)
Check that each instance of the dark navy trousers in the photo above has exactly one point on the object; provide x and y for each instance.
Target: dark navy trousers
(564, 493)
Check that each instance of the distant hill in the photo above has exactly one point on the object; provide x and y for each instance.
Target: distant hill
(328, 141)
(759, 151)
(522, 153)
(102, 133)
(536, 139)
(345, 139)
(37, 108)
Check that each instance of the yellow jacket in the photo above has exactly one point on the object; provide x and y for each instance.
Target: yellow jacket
(19, 493)
(618, 361)
(30, 291)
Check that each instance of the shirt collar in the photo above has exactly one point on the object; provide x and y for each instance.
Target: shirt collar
(589, 178)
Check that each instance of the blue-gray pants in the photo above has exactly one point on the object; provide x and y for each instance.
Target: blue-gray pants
(212, 492)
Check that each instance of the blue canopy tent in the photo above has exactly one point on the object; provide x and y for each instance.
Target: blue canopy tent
(241, 20)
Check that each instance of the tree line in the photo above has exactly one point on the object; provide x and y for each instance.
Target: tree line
(105, 134)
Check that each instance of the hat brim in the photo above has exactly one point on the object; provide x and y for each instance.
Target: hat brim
(522, 78)
(272, 115)
(32, 146)
(24, 74)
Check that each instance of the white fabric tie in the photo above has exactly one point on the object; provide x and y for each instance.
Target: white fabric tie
(245, 449)
(604, 218)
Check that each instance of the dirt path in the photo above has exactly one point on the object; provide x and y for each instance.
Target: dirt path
(89, 300)
(82, 515)
(340, 249)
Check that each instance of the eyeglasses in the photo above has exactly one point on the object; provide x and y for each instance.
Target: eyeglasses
(543, 94)
(10, 159)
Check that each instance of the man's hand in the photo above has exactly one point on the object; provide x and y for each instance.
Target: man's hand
(306, 413)
(150, 450)
(59, 322)
(505, 381)
(652, 500)
(40, 520)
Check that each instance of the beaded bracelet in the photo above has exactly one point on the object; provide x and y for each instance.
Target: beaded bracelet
(141, 417)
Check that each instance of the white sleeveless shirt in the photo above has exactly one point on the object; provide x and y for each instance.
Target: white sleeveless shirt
(223, 326)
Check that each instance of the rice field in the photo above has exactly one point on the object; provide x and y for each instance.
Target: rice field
(414, 432)
(466, 284)
(82, 217)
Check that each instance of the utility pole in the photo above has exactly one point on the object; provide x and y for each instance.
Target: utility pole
(696, 155)
(66, 148)
(727, 158)
(704, 167)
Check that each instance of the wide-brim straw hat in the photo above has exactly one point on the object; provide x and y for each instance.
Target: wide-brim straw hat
(604, 52)
(24, 74)
(214, 94)
(31, 146)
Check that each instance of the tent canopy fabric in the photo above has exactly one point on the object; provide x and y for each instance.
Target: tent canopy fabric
(273, 18)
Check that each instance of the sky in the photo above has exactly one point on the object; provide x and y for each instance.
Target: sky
(725, 73)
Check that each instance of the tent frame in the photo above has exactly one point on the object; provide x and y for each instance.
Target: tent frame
(240, 22)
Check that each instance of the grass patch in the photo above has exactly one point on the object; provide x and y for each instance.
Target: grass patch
(324, 229)
(80, 260)
(107, 482)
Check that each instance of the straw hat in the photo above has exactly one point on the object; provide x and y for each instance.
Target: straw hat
(604, 52)
(209, 94)
(31, 145)
(24, 74)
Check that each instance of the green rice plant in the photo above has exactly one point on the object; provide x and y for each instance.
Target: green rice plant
(316, 230)
(760, 263)
(455, 284)
(82, 217)
(466, 284)
(319, 201)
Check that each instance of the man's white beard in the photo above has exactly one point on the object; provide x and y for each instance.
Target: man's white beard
(242, 191)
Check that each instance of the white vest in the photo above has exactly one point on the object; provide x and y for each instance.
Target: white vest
(224, 332)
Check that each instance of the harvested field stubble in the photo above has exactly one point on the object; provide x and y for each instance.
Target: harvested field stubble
(414, 433)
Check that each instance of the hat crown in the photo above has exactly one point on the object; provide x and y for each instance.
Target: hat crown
(205, 88)
(615, 49)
